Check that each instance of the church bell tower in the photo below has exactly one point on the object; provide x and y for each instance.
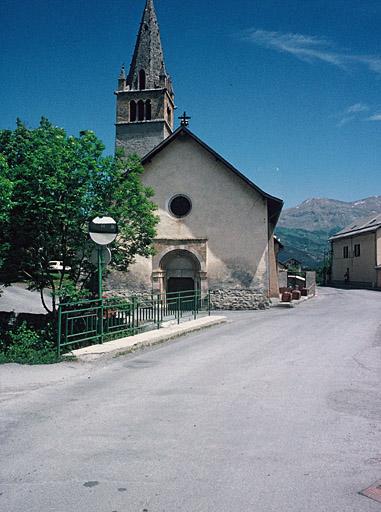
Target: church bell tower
(144, 98)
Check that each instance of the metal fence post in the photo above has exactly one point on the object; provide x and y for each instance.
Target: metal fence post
(158, 310)
(59, 333)
(209, 302)
(137, 314)
(178, 303)
(133, 313)
(101, 321)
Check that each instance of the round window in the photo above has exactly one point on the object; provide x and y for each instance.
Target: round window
(180, 206)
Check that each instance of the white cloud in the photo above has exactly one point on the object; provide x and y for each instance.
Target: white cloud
(352, 113)
(345, 120)
(311, 49)
(373, 62)
(357, 112)
(375, 117)
(357, 107)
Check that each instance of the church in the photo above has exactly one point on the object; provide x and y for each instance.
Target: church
(216, 229)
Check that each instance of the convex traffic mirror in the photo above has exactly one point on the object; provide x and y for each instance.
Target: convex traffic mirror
(103, 230)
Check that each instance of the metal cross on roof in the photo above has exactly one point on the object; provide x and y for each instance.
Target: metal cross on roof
(184, 119)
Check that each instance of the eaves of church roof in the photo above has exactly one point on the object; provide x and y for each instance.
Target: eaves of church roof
(275, 204)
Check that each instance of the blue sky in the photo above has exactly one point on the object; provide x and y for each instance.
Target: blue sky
(287, 90)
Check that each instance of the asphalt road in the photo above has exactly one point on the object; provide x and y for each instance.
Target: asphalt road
(275, 411)
(19, 299)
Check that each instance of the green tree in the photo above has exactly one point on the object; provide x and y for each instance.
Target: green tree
(61, 182)
(6, 190)
(5, 206)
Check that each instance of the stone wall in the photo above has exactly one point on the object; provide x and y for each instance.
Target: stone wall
(140, 137)
(137, 281)
(311, 282)
(223, 299)
(128, 294)
(238, 299)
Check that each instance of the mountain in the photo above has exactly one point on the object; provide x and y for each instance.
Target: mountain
(304, 230)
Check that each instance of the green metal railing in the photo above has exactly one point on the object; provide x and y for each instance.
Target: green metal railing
(89, 322)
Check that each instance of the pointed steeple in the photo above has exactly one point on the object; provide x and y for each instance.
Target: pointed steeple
(147, 70)
(144, 99)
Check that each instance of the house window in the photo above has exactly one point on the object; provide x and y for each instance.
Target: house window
(345, 252)
(357, 250)
(132, 111)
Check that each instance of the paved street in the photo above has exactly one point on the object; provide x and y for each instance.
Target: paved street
(19, 299)
(276, 411)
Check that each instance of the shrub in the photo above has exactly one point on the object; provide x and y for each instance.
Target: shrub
(27, 346)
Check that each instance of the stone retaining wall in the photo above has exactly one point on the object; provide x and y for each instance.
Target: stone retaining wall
(228, 299)
(128, 294)
(238, 299)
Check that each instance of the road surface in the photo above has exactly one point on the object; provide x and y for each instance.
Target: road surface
(276, 411)
(19, 299)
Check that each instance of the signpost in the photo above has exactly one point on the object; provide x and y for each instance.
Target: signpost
(102, 231)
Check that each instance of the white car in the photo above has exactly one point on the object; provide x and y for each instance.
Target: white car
(57, 265)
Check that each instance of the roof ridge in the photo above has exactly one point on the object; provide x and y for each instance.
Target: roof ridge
(369, 223)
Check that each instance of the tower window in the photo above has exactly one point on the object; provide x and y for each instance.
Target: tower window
(132, 111)
(142, 79)
(148, 110)
(169, 116)
(140, 110)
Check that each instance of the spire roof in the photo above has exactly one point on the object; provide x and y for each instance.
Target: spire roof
(148, 55)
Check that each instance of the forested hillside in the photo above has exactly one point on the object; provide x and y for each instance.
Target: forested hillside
(305, 229)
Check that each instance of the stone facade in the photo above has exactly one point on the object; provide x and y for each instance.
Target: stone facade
(139, 137)
(227, 237)
(225, 241)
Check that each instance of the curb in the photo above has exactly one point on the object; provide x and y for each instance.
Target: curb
(294, 303)
(130, 344)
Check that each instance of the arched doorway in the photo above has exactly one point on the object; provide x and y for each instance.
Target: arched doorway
(181, 271)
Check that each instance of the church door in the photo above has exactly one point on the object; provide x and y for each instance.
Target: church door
(181, 271)
(180, 284)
